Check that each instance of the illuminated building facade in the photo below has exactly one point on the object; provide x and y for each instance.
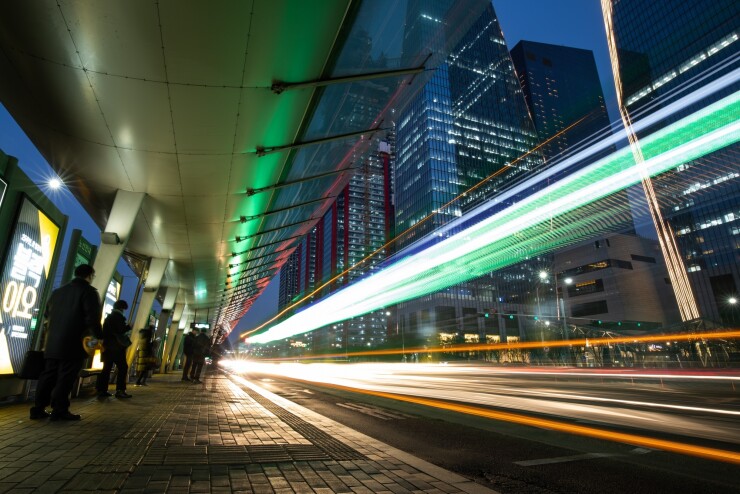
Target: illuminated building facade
(356, 227)
(563, 93)
(665, 50)
(469, 122)
(616, 282)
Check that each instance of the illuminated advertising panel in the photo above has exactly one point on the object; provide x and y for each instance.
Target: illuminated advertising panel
(111, 295)
(30, 253)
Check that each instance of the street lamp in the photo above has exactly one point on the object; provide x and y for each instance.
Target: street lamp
(561, 303)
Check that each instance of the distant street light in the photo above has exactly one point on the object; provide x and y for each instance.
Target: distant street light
(732, 300)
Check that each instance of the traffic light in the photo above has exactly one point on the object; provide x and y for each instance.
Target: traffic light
(486, 314)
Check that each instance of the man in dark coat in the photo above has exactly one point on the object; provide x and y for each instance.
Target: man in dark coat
(115, 343)
(201, 347)
(187, 352)
(73, 312)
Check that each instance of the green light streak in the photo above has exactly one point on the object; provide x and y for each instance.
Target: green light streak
(546, 220)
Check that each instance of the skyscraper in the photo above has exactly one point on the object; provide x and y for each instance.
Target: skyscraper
(563, 93)
(469, 122)
(351, 236)
(666, 50)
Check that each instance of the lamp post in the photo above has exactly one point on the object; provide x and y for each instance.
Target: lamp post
(561, 302)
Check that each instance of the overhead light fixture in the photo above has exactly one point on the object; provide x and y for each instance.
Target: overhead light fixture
(55, 183)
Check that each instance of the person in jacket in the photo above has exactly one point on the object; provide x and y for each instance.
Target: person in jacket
(115, 343)
(201, 346)
(187, 352)
(73, 312)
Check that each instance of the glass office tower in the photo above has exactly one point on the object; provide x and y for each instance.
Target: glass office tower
(666, 50)
(563, 93)
(353, 233)
(469, 122)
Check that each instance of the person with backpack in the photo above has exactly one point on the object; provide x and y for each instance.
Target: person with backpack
(115, 343)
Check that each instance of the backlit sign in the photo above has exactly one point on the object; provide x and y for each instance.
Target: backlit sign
(30, 252)
(111, 295)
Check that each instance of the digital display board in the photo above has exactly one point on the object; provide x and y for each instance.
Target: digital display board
(111, 295)
(27, 265)
(200, 325)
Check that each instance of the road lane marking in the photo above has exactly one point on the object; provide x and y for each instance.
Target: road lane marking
(564, 459)
(373, 411)
(585, 456)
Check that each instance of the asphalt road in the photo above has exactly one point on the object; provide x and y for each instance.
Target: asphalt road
(699, 411)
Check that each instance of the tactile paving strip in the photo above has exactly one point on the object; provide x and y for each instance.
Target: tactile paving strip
(335, 449)
(233, 455)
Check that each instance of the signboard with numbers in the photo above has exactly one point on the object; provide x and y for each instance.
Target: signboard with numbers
(30, 253)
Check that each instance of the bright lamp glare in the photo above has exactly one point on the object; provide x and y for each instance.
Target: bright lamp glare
(543, 275)
(55, 183)
(732, 300)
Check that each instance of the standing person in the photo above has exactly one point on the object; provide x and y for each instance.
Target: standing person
(115, 343)
(201, 346)
(187, 351)
(144, 356)
(73, 312)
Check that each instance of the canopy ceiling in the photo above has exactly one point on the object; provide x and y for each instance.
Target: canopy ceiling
(177, 99)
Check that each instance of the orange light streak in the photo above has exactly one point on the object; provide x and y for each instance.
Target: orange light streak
(674, 263)
(525, 345)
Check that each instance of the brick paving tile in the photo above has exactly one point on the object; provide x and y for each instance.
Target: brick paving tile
(229, 435)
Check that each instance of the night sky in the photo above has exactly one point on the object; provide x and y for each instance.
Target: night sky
(575, 23)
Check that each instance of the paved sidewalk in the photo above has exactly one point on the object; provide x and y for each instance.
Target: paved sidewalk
(227, 435)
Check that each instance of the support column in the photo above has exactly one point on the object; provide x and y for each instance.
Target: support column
(167, 355)
(184, 326)
(121, 221)
(153, 279)
(162, 325)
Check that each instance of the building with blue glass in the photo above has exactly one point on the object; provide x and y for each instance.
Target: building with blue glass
(667, 50)
(563, 93)
(468, 123)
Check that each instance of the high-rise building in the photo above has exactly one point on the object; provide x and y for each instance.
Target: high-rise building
(563, 93)
(351, 236)
(669, 49)
(469, 122)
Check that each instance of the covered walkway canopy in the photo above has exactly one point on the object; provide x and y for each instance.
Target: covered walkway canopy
(237, 122)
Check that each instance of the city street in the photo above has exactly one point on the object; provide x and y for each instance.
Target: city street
(694, 410)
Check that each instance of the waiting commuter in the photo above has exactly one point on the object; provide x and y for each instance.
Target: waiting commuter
(188, 344)
(73, 312)
(115, 343)
(201, 347)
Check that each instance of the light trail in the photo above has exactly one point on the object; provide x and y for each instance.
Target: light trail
(529, 345)
(666, 239)
(522, 230)
(555, 425)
